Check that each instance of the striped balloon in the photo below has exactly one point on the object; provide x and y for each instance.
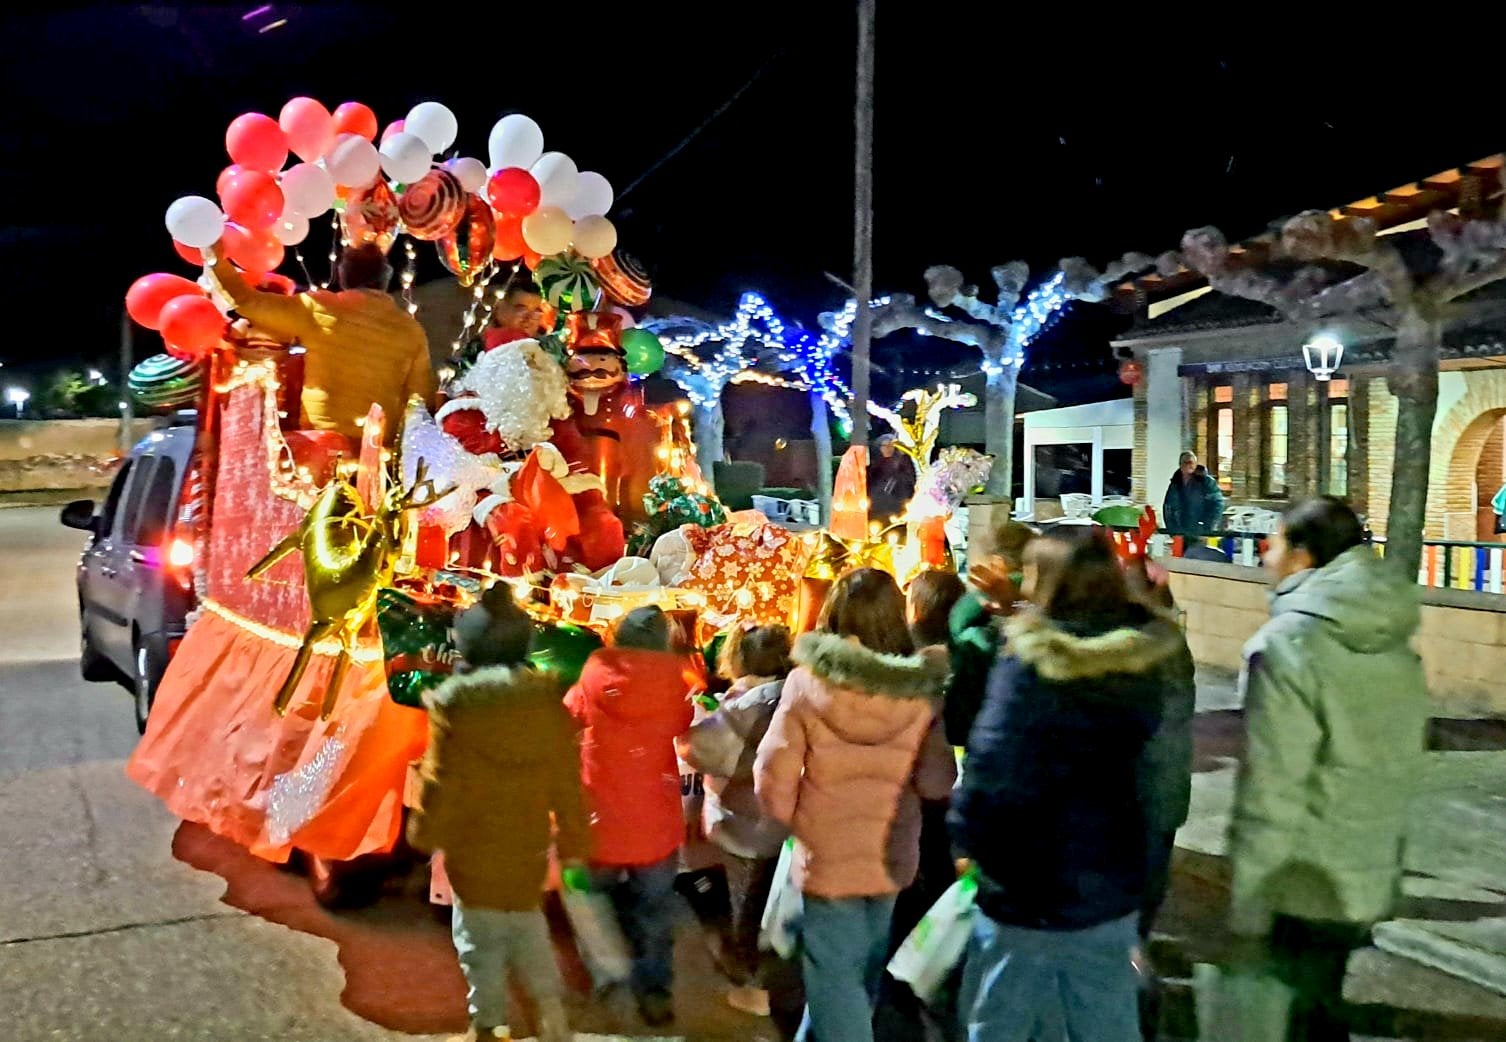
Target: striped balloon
(163, 381)
(467, 248)
(567, 283)
(623, 279)
(433, 205)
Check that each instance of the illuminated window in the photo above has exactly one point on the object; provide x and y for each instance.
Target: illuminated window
(1223, 435)
(1336, 440)
(1276, 419)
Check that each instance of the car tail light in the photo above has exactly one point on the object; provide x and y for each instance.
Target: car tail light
(180, 553)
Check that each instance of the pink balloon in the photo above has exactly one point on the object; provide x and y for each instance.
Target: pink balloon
(309, 127)
(256, 142)
(395, 127)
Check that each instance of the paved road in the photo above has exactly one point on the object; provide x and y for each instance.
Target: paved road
(118, 924)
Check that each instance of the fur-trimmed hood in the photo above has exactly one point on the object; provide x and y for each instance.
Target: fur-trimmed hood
(492, 685)
(842, 662)
(1057, 654)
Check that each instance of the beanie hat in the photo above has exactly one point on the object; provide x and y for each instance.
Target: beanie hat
(494, 631)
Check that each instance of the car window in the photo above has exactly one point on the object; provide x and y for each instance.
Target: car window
(112, 500)
(154, 514)
(130, 513)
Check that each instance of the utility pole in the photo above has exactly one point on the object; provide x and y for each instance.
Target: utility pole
(126, 353)
(862, 223)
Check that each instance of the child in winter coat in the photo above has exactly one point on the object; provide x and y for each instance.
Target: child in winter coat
(974, 631)
(853, 730)
(631, 702)
(501, 758)
(723, 747)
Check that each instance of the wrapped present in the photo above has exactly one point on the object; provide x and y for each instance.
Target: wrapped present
(752, 574)
(416, 643)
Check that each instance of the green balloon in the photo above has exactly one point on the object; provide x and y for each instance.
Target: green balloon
(562, 649)
(645, 354)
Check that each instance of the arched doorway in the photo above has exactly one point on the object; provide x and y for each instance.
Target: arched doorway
(1477, 470)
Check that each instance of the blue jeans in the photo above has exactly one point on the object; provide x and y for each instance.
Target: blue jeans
(489, 942)
(1021, 985)
(643, 897)
(844, 944)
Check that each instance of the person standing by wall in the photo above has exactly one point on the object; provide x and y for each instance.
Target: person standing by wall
(1337, 713)
(1194, 504)
(891, 482)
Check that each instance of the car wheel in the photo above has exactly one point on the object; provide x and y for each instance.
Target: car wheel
(92, 664)
(144, 686)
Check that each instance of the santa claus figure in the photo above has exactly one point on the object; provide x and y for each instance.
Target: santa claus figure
(610, 432)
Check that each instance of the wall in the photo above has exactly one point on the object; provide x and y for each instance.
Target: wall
(1462, 639)
(23, 439)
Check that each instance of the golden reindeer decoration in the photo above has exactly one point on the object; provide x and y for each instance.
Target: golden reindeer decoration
(349, 554)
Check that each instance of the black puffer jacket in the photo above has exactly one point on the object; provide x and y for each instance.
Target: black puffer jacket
(1050, 807)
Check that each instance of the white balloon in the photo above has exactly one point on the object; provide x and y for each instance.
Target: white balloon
(291, 228)
(592, 198)
(516, 140)
(405, 157)
(471, 173)
(308, 190)
(434, 125)
(195, 221)
(547, 230)
(353, 161)
(593, 237)
(556, 174)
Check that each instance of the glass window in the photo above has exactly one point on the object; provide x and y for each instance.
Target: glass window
(1224, 394)
(155, 514)
(112, 501)
(1338, 438)
(1275, 450)
(1223, 440)
(1116, 472)
(130, 514)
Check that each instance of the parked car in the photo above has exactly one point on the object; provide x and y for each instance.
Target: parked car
(135, 579)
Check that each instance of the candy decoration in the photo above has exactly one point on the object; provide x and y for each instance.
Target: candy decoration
(566, 282)
(467, 249)
(372, 216)
(163, 382)
(623, 279)
(433, 205)
(416, 643)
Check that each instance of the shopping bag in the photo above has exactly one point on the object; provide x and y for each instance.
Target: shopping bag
(936, 945)
(598, 936)
(1240, 1004)
(779, 931)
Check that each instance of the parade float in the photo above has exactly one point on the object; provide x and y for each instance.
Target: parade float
(328, 560)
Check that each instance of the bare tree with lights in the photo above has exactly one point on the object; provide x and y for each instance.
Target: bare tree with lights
(1384, 290)
(1001, 331)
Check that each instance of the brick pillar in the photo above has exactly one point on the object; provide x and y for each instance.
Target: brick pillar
(1138, 484)
(1381, 453)
(1359, 443)
(1303, 437)
(1248, 433)
(1199, 397)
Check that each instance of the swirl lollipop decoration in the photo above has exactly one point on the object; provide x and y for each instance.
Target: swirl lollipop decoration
(566, 282)
(432, 206)
(372, 216)
(623, 279)
(163, 382)
(467, 248)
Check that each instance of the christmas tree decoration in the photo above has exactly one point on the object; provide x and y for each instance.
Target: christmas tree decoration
(670, 504)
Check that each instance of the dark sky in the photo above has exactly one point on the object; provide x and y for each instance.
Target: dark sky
(996, 137)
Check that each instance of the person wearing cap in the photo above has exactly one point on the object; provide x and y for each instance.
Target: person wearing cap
(891, 482)
(502, 758)
(363, 347)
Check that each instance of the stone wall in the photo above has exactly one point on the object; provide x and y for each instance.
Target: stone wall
(61, 454)
(1462, 639)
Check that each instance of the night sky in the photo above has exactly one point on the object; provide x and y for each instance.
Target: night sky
(996, 138)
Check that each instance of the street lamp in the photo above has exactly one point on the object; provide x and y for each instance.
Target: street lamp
(1323, 355)
(18, 396)
(96, 377)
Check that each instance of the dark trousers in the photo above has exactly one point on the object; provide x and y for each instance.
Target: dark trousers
(749, 881)
(1311, 958)
(643, 896)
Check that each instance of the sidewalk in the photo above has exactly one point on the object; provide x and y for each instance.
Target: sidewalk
(1453, 916)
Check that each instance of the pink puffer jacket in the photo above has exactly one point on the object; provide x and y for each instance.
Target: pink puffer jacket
(852, 732)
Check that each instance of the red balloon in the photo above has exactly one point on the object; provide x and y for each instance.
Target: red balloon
(190, 254)
(252, 199)
(254, 251)
(224, 178)
(309, 127)
(355, 118)
(149, 294)
(395, 127)
(513, 192)
(510, 245)
(257, 142)
(191, 326)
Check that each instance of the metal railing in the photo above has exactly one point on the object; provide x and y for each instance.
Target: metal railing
(1446, 563)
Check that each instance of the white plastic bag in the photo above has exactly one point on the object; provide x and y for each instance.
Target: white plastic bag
(936, 945)
(598, 936)
(779, 932)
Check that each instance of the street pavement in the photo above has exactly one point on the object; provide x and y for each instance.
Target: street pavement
(117, 922)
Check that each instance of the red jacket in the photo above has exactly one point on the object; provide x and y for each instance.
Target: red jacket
(631, 705)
